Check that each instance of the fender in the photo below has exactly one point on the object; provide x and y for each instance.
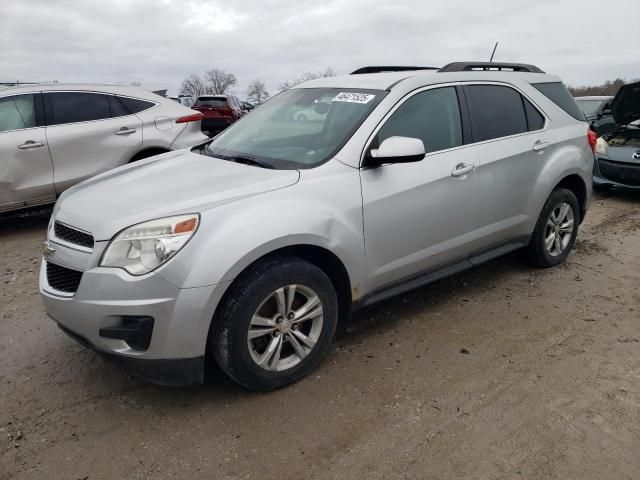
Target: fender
(233, 236)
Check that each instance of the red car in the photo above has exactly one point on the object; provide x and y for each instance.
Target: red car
(219, 111)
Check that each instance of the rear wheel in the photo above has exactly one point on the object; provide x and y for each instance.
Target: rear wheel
(275, 324)
(556, 229)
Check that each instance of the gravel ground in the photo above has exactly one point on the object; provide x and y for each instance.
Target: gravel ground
(503, 371)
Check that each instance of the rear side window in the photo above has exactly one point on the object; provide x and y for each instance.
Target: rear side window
(211, 102)
(134, 105)
(535, 120)
(496, 111)
(17, 112)
(432, 116)
(558, 94)
(117, 107)
(71, 107)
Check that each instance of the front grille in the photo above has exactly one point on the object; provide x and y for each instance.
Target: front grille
(71, 235)
(63, 279)
(619, 172)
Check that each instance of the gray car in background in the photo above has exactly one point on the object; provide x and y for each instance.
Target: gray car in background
(248, 250)
(597, 109)
(54, 136)
(618, 153)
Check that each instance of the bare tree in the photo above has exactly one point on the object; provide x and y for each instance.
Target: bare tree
(257, 91)
(194, 86)
(136, 83)
(306, 76)
(220, 81)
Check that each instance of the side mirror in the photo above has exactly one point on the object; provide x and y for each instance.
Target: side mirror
(397, 150)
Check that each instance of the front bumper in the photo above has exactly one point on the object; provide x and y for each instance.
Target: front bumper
(611, 173)
(107, 298)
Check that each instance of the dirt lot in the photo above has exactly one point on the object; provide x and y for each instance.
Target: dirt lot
(504, 371)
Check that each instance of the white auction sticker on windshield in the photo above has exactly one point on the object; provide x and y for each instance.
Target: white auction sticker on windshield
(353, 97)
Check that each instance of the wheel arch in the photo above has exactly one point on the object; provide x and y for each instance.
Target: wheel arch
(577, 185)
(321, 257)
(148, 152)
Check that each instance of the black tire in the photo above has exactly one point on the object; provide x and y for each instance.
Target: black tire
(537, 251)
(228, 341)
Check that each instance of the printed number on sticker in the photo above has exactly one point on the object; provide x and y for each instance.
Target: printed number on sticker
(352, 97)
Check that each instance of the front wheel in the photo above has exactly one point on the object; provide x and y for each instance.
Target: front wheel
(275, 324)
(556, 229)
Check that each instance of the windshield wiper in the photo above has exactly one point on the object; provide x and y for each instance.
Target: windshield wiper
(247, 160)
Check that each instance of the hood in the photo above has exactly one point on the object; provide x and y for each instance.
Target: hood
(170, 184)
(625, 107)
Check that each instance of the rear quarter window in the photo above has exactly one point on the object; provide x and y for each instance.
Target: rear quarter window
(558, 94)
(134, 105)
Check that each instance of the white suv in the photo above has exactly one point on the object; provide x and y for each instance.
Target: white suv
(54, 136)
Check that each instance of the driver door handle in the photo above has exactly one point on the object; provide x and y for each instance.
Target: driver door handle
(462, 169)
(30, 144)
(126, 131)
(540, 146)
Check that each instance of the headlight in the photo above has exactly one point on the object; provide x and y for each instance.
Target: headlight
(145, 246)
(601, 146)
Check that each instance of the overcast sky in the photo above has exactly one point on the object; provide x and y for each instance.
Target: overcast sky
(159, 42)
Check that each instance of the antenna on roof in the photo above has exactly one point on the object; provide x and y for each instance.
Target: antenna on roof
(494, 52)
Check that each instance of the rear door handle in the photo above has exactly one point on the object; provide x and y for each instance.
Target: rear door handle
(462, 169)
(30, 144)
(126, 131)
(540, 146)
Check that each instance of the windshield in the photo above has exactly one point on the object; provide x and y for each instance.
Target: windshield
(589, 107)
(299, 128)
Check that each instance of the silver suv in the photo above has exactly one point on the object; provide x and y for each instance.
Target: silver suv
(250, 249)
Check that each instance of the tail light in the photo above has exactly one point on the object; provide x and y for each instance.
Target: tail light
(196, 117)
(592, 137)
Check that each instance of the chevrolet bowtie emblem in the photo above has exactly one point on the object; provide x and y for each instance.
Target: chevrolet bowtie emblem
(47, 249)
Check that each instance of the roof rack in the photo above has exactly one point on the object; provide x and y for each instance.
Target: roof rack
(399, 68)
(489, 66)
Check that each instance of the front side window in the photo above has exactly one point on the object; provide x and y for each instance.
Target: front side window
(72, 107)
(433, 116)
(299, 128)
(17, 112)
(495, 111)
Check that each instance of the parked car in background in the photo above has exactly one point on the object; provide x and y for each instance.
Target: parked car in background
(597, 109)
(246, 106)
(219, 112)
(185, 100)
(54, 136)
(618, 153)
(251, 254)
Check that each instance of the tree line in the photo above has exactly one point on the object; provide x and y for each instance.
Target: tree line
(610, 87)
(220, 82)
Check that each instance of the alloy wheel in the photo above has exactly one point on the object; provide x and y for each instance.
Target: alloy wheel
(285, 327)
(559, 229)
